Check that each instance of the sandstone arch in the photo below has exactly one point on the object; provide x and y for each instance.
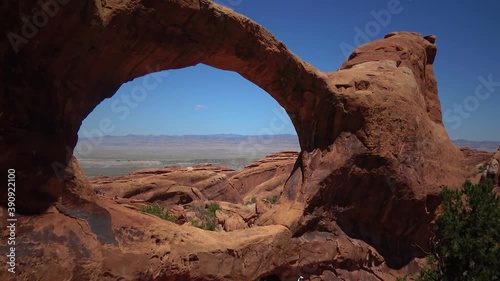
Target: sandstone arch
(374, 150)
(72, 74)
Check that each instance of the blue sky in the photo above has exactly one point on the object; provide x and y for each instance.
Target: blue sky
(204, 100)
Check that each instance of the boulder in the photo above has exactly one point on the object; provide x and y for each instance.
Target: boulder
(230, 221)
(234, 223)
(246, 212)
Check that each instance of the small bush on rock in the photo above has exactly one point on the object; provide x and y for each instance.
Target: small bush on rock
(157, 210)
(207, 220)
(273, 200)
(467, 241)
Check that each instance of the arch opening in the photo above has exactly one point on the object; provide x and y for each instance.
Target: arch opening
(184, 117)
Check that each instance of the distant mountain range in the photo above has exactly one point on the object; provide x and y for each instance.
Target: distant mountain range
(287, 140)
(490, 146)
(118, 155)
(186, 140)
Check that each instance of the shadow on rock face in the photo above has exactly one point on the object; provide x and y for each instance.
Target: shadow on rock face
(77, 202)
(98, 219)
(270, 278)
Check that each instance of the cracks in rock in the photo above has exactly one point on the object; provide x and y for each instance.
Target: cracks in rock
(78, 221)
(60, 208)
(285, 226)
(373, 272)
(362, 140)
(232, 186)
(424, 251)
(33, 217)
(196, 193)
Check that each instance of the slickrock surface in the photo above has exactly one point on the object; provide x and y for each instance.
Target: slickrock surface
(181, 185)
(171, 185)
(361, 195)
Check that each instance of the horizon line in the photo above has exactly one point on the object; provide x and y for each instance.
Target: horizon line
(190, 135)
(240, 135)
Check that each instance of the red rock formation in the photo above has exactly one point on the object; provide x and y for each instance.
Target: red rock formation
(264, 178)
(474, 157)
(475, 162)
(172, 185)
(374, 150)
(380, 179)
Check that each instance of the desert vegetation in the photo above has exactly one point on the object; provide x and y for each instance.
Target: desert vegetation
(252, 201)
(466, 245)
(273, 200)
(206, 216)
(207, 219)
(157, 210)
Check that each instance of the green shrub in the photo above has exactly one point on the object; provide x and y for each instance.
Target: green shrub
(467, 242)
(212, 207)
(157, 210)
(273, 200)
(154, 210)
(207, 224)
(171, 217)
(207, 220)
